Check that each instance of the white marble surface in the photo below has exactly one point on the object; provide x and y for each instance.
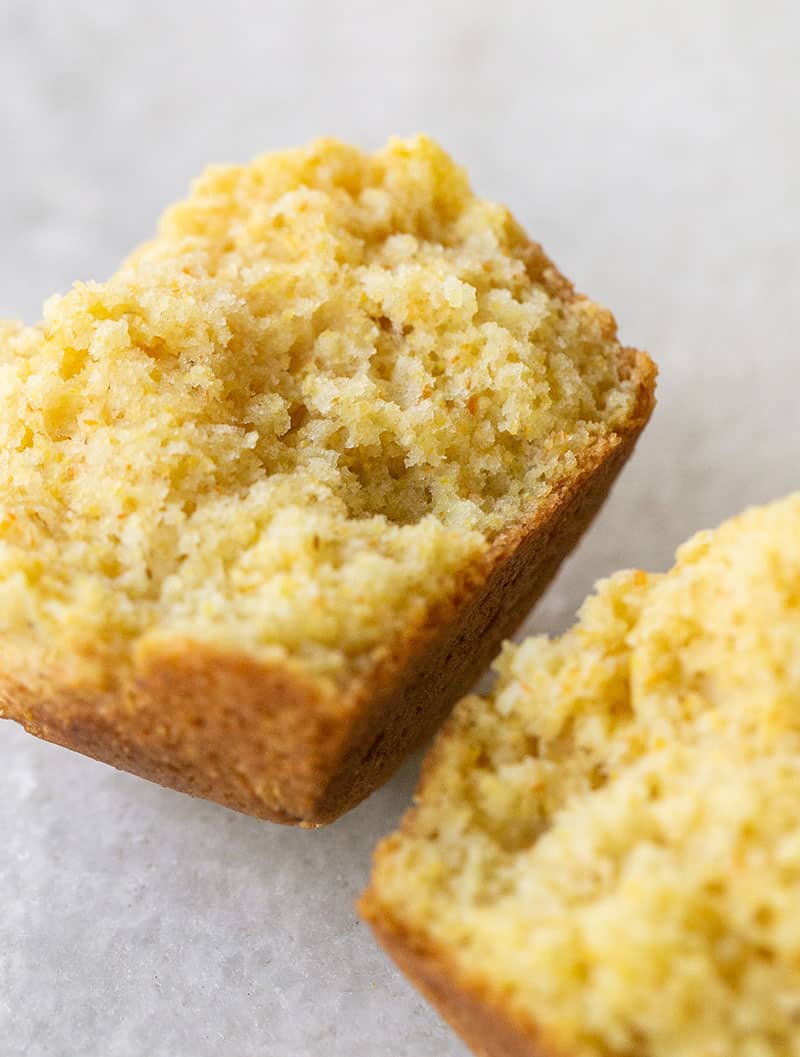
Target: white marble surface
(653, 148)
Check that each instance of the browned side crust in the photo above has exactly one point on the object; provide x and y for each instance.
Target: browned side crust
(489, 1029)
(266, 740)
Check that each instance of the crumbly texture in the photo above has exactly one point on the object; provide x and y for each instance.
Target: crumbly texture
(288, 423)
(605, 852)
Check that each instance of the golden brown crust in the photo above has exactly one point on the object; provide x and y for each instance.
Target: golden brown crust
(487, 1026)
(213, 724)
(262, 739)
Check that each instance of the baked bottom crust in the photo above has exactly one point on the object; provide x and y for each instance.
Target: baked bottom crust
(468, 1006)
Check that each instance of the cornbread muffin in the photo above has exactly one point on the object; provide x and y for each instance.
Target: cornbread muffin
(271, 495)
(604, 858)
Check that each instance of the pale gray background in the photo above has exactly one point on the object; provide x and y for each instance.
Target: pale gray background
(653, 149)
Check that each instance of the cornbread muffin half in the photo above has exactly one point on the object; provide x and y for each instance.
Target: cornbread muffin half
(604, 857)
(271, 496)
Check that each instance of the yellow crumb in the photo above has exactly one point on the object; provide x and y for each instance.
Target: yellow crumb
(611, 839)
(295, 415)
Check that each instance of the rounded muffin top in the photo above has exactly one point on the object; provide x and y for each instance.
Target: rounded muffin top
(322, 389)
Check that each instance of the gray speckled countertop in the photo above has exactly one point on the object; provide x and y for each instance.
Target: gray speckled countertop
(652, 148)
